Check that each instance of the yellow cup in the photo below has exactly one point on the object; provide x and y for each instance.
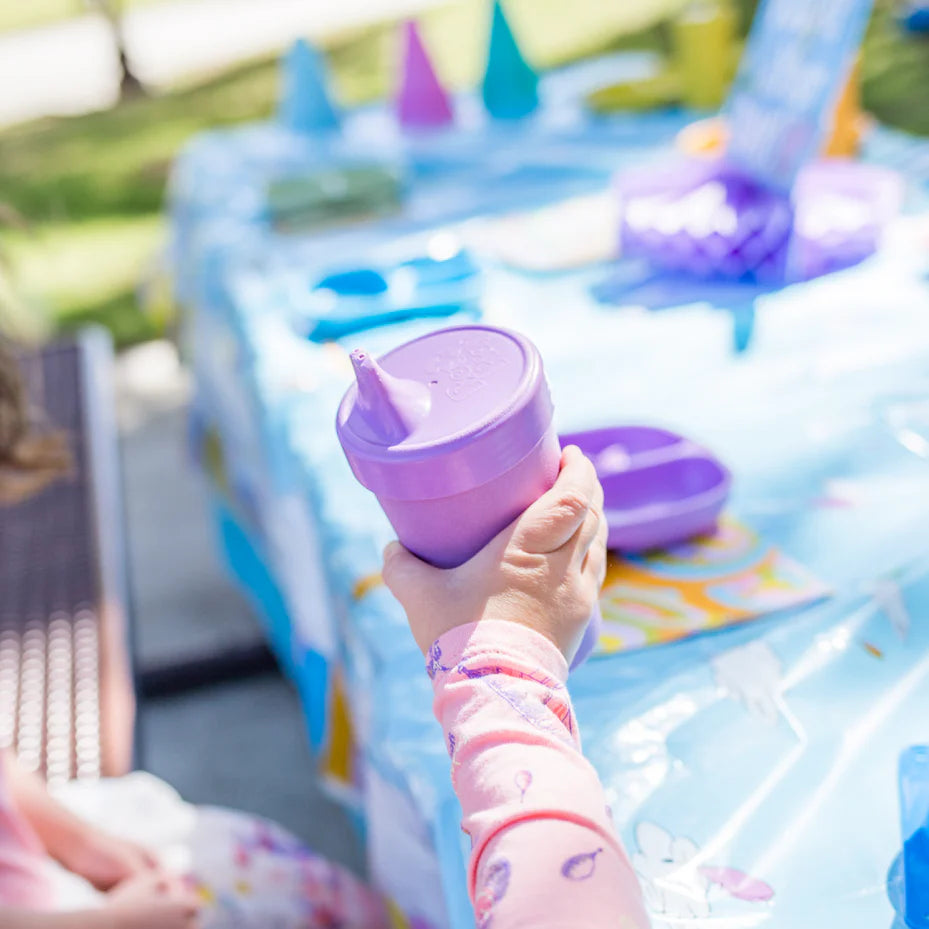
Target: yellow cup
(704, 45)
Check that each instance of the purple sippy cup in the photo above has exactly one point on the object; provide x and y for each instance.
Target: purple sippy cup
(453, 433)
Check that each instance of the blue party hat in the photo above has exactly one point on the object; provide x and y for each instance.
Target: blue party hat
(305, 105)
(510, 88)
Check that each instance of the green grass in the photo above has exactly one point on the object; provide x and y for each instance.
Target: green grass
(895, 73)
(93, 186)
(87, 270)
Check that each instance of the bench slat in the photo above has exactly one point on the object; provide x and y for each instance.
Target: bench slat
(66, 695)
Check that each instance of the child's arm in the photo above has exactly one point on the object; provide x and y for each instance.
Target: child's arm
(148, 902)
(498, 631)
(544, 852)
(15, 918)
(99, 858)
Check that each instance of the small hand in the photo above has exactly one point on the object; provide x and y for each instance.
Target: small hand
(544, 570)
(152, 902)
(105, 860)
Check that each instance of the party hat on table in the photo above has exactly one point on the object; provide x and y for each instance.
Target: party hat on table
(421, 101)
(510, 88)
(305, 105)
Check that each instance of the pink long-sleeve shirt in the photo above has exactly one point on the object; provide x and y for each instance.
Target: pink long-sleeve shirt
(544, 851)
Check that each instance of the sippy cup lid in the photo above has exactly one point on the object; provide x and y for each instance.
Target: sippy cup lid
(444, 413)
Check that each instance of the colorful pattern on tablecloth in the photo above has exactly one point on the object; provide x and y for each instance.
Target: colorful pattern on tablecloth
(717, 580)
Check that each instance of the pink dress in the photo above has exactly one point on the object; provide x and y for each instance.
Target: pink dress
(544, 851)
(24, 875)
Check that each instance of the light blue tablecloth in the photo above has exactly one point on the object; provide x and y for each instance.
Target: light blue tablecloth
(752, 772)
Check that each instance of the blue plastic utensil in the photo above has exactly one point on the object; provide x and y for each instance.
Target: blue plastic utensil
(350, 300)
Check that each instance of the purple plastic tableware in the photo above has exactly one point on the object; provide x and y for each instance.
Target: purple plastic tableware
(659, 488)
(841, 210)
(453, 433)
(422, 102)
(695, 216)
(708, 218)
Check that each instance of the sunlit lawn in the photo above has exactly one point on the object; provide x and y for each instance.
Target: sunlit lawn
(92, 190)
(92, 186)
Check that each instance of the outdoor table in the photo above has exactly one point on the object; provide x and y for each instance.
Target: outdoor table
(751, 772)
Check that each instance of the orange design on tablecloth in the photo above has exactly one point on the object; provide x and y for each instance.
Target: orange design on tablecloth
(729, 577)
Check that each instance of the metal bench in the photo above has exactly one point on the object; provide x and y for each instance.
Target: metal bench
(67, 701)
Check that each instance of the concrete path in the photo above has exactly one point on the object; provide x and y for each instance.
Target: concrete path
(70, 67)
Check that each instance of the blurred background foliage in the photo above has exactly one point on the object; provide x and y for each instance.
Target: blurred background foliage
(91, 187)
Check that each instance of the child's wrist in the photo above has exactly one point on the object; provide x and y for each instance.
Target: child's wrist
(516, 627)
(114, 918)
(70, 844)
(78, 919)
(503, 636)
(105, 918)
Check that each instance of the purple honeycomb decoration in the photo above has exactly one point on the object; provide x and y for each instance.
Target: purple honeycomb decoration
(711, 220)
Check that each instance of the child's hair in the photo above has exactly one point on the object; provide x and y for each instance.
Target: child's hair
(31, 455)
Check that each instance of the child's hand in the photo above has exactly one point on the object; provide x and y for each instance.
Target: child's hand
(105, 860)
(152, 902)
(98, 857)
(544, 570)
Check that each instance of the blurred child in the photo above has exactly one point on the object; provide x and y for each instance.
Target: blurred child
(498, 634)
(159, 863)
(165, 865)
(30, 457)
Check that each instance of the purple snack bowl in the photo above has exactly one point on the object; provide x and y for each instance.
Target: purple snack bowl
(659, 488)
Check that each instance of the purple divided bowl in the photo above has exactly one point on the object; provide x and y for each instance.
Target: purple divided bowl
(659, 488)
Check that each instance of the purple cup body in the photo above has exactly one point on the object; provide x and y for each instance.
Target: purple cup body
(453, 433)
(447, 531)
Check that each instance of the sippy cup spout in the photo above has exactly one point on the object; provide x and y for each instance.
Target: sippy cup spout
(391, 407)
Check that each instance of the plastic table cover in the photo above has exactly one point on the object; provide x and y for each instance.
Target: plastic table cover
(751, 772)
